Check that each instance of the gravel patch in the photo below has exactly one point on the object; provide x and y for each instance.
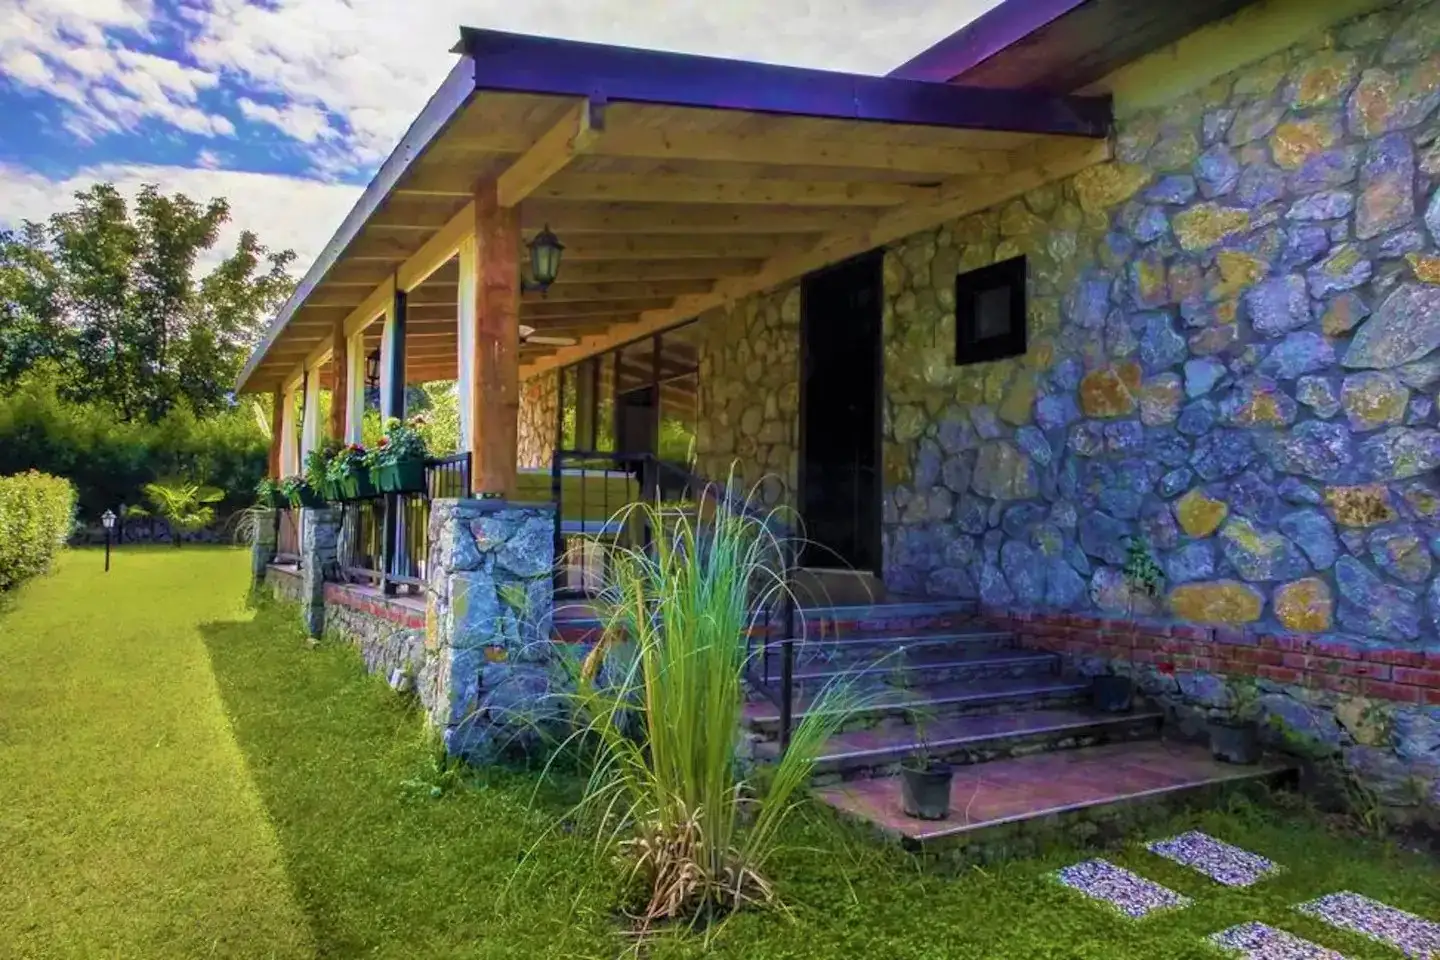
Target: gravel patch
(1216, 859)
(1411, 935)
(1132, 895)
(1256, 941)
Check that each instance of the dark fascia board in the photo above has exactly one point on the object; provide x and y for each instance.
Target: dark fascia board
(982, 38)
(524, 64)
(444, 104)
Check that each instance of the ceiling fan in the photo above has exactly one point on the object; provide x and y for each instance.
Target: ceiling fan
(528, 338)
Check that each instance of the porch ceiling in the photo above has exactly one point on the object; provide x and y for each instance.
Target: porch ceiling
(666, 207)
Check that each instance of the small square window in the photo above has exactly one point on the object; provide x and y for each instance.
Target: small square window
(990, 313)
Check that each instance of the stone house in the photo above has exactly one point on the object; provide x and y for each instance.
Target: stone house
(1173, 276)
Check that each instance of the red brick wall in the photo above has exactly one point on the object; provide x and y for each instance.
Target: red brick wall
(400, 614)
(1386, 673)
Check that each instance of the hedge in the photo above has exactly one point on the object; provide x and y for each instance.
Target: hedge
(36, 514)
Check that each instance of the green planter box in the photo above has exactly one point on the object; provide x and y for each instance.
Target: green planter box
(275, 501)
(308, 498)
(357, 486)
(407, 476)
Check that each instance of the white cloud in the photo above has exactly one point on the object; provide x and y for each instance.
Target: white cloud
(282, 211)
(305, 123)
(74, 50)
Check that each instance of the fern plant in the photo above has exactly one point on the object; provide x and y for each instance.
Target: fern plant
(185, 505)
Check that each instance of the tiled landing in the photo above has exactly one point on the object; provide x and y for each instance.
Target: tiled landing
(1006, 791)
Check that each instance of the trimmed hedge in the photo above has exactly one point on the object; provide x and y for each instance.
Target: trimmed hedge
(36, 514)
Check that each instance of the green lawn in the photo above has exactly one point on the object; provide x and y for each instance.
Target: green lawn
(181, 776)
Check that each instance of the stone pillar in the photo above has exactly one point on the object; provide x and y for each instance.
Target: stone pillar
(491, 666)
(319, 534)
(262, 549)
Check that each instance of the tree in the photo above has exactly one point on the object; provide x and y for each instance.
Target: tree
(109, 293)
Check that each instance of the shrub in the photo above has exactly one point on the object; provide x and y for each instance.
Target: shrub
(36, 514)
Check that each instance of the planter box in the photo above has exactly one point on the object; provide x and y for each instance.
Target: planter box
(357, 486)
(407, 476)
(307, 498)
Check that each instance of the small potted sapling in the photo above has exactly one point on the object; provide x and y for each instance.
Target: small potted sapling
(1236, 738)
(1113, 692)
(924, 779)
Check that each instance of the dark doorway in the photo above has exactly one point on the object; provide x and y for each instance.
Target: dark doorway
(840, 382)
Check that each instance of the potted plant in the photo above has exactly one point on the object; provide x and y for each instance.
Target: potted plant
(317, 467)
(1236, 739)
(1114, 692)
(924, 779)
(349, 475)
(267, 493)
(297, 493)
(397, 463)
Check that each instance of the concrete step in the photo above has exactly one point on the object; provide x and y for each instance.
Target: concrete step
(937, 702)
(817, 587)
(974, 739)
(1048, 790)
(862, 649)
(884, 619)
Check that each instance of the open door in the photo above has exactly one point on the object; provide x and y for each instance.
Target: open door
(841, 379)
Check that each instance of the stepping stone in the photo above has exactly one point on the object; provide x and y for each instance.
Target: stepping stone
(1132, 895)
(1216, 859)
(1256, 941)
(1411, 935)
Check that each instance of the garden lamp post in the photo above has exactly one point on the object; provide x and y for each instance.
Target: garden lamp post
(107, 520)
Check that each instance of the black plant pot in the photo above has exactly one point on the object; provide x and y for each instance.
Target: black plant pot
(925, 789)
(1234, 742)
(1112, 694)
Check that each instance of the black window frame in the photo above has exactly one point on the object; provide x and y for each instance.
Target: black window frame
(1007, 274)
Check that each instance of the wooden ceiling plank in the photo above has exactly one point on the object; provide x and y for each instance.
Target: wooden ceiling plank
(568, 219)
(1059, 158)
(655, 188)
(579, 131)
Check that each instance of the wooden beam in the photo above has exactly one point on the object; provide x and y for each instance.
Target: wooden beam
(662, 188)
(570, 292)
(1056, 160)
(609, 246)
(589, 308)
(655, 270)
(576, 133)
(568, 219)
(340, 390)
(494, 424)
(277, 433)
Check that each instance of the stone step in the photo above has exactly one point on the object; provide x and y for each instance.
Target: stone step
(863, 649)
(975, 739)
(885, 619)
(942, 664)
(1048, 790)
(937, 701)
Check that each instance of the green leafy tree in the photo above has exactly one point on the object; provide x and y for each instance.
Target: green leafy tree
(108, 290)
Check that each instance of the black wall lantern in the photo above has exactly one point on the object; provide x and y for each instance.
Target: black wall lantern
(545, 252)
(372, 369)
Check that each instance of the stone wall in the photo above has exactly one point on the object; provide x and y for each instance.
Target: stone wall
(1231, 331)
(489, 602)
(749, 393)
(389, 634)
(539, 400)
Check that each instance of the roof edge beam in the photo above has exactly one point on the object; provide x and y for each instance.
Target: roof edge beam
(575, 134)
(540, 65)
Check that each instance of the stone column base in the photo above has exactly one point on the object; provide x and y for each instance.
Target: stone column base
(319, 532)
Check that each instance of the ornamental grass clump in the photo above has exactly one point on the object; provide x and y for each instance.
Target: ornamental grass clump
(660, 701)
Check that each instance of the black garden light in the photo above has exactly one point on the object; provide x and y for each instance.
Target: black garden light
(107, 520)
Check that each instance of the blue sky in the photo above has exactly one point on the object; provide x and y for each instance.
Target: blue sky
(287, 106)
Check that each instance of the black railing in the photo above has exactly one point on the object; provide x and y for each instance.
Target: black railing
(594, 522)
(385, 540)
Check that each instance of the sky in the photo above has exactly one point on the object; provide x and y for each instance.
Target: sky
(287, 107)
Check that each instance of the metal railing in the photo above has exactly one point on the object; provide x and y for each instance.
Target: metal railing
(385, 539)
(591, 525)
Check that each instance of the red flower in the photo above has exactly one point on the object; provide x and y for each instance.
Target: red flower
(1166, 667)
(384, 441)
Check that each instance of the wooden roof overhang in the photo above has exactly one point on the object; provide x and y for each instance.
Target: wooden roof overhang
(676, 183)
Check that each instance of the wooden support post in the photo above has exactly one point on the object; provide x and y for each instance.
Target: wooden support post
(392, 404)
(289, 461)
(466, 301)
(310, 428)
(494, 423)
(277, 434)
(354, 396)
(339, 388)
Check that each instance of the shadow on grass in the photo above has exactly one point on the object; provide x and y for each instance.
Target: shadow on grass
(388, 854)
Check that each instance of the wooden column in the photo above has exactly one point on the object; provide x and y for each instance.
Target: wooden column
(289, 435)
(340, 379)
(355, 388)
(494, 418)
(466, 300)
(392, 359)
(310, 428)
(277, 433)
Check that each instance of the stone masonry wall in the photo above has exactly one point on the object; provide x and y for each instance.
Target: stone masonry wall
(539, 400)
(389, 634)
(750, 394)
(1231, 333)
